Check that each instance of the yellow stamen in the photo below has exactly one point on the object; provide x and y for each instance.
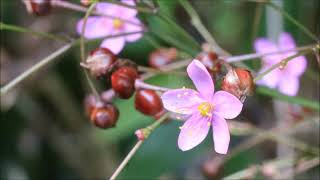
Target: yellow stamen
(117, 23)
(205, 109)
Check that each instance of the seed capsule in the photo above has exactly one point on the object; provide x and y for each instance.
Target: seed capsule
(148, 102)
(162, 56)
(122, 81)
(38, 7)
(99, 62)
(105, 116)
(238, 82)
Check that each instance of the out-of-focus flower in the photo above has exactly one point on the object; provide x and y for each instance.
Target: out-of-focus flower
(162, 56)
(99, 26)
(286, 78)
(204, 109)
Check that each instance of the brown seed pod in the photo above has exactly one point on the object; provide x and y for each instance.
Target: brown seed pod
(238, 82)
(105, 116)
(162, 56)
(38, 7)
(99, 62)
(122, 81)
(148, 102)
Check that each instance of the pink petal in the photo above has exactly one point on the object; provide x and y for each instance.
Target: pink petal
(286, 41)
(96, 27)
(221, 135)
(297, 66)
(263, 45)
(201, 78)
(133, 28)
(114, 44)
(226, 105)
(271, 79)
(181, 101)
(116, 10)
(193, 132)
(289, 85)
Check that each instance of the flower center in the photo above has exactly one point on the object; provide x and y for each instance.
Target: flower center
(205, 109)
(117, 23)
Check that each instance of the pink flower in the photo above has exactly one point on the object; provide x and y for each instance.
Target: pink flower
(286, 79)
(99, 26)
(203, 109)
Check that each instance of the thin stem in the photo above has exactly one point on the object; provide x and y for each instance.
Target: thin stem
(139, 84)
(76, 7)
(295, 22)
(259, 55)
(15, 28)
(126, 159)
(282, 62)
(34, 68)
(82, 48)
(159, 71)
(196, 22)
(150, 129)
(256, 21)
(138, 8)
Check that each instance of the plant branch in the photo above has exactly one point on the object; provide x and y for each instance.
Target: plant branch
(15, 28)
(150, 129)
(35, 68)
(138, 8)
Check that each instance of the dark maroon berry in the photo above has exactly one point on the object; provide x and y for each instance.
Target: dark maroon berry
(122, 81)
(99, 62)
(162, 56)
(38, 7)
(105, 116)
(148, 102)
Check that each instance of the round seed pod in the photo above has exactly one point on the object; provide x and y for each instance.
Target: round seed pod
(122, 81)
(148, 102)
(99, 62)
(105, 116)
(38, 7)
(238, 82)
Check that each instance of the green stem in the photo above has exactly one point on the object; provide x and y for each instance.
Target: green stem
(138, 8)
(15, 28)
(196, 22)
(150, 129)
(34, 68)
(295, 22)
(82, 48)
(291, 99)
(282, 62)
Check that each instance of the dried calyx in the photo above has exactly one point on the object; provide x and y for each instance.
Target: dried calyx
(210, 60)
(38, 7)
(99, 62)
(162, 56)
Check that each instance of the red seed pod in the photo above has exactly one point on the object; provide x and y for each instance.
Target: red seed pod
(238, 82)
(210, 61)
(38, 7)
(105, 116)
(90, 103)
(162, 56)
(99, 61)
(122, 81)
(148, 102)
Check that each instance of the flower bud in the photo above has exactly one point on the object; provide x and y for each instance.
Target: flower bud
(148, 102)
(210, 61)
(99, 62)
(122, 81)
(162, 56)
(38, 7)
(105, 116)
(238, 82)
